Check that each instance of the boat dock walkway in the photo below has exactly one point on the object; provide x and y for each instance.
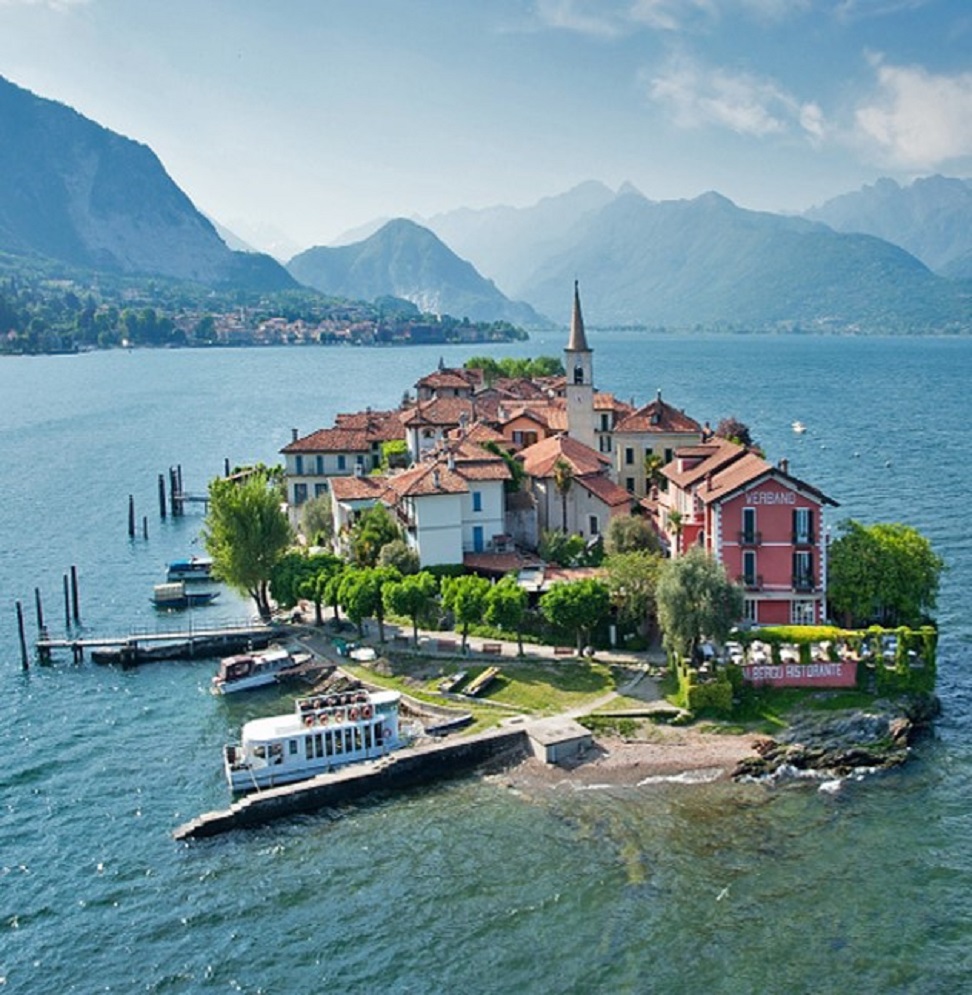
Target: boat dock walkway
(193, 637)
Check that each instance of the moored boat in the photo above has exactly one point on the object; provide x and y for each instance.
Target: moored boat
(321, 734)
(176, 596)
(195, 568)
(252, 670)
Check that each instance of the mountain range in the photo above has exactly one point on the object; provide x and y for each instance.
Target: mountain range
(75, 192)
(403, 259)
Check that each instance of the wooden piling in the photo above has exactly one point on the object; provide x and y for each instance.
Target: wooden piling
(39, 609)
(131, 517)
(67, 603)
(226, 466)
(74, 595)
(162, 508)
(173, 492)
(24, 658)
(144, 526)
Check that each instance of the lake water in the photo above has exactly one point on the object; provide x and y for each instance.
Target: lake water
(467, 886)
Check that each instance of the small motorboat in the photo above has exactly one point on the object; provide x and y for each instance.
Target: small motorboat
(176, 596)
(798, 427)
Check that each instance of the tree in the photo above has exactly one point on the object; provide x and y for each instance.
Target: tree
(301, 575)
(629, 533)
(886, 573)
(576, 607)
(506, 606)
(394, 454)
(563, 475)
(400, 555)
(466, 598)
(695, 600)
(632, 578)
(316, 521)
(653, 468)
(246, 532)
(358, 593)
(734, 430)
(412, 597)
(373, 530)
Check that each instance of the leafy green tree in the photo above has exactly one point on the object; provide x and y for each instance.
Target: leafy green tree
(332, 592)
(632, 578)
(373, 530)
(506, 606)
(734, 430)
(412, 596)
(400, 555)
(630, 533)
(394, 454)
(246, 533)
(466, 598)
(301, 575)
(653, 468)
(358, 593)
(576, 607)
(563, 476)
(316, 521)
(695, 600)
(886, 573)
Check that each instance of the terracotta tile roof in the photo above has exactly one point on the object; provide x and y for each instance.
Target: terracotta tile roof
(380, 426)
(427, 479)
(749, 470)
(498, 564)
(451, 379)
(479, 432)
(485, 470)
(441, 411)
(522, 388)
(659, 416)
(605, 489)
(358, 488)
(712, 456)
(331, 440)
(539, 459)
(608, 402)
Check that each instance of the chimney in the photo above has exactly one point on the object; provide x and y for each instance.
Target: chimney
(451, 461)
(293, 435)
(785, 465)
(435, 479)
(658, 395)
(708, 481)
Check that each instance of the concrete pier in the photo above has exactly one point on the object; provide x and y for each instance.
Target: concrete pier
(401, 769)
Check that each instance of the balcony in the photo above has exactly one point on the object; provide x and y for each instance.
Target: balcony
(750, 538)
(751, 582)
(803, 539)
(804, 584)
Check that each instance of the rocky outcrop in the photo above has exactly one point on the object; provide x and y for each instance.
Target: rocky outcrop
(836, 744)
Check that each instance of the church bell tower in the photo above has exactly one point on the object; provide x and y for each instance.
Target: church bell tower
(579, 364)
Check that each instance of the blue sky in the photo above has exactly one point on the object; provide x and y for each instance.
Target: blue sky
(300, 119)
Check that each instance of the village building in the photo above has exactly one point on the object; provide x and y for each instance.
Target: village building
(763, 524)
(655, 430)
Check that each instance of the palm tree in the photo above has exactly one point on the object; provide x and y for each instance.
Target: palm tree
(675, 527)
(653, 465)
(563, 474)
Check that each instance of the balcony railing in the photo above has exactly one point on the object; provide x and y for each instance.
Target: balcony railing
(803, 539)
(803, 584)
(750, 538)
(752, 582)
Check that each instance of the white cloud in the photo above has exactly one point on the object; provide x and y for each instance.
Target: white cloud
(917, 119)
(697, 95)
(580, 16)
(50, 4)
(669, 15)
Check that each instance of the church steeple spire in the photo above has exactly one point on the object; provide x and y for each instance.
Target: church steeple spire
(578, 340)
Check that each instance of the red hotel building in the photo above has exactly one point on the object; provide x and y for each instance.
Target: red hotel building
(764, 525)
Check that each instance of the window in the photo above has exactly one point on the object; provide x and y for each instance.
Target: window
(802, 613)
(578, 374)
(629, 484)
(803, 526)
(477, 497)
(628, 456)
(592, 525)
(750, 613)
(300, 493)
(803, 570)
(299, 465)
(319, 461)
(342, 462)
(749, 577)
(320, 490)
(668, 455)
(605, 422)
(478, 539)
(748, 536)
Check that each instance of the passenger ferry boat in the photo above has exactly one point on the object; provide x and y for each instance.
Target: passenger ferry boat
(321, 734)
(177, 596)
(253, 670)
(192, 569)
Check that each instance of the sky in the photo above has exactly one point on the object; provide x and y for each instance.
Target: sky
(293, 121)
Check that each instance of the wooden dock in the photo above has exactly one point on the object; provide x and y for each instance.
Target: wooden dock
(181, 643)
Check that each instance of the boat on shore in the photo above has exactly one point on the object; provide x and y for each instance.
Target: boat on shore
(245, 671)
(176, 596)
(195, 568)
(321, 734)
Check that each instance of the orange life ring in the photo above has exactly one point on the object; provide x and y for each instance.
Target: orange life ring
(353, 714)
(366, 712)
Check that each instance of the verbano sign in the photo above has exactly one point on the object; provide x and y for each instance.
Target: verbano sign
(771, 497)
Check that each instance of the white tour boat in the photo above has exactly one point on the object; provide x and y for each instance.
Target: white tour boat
(322, 733)
(253, 670)
(192, 569)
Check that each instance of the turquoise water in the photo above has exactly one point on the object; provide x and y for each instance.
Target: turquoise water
(469, 886)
